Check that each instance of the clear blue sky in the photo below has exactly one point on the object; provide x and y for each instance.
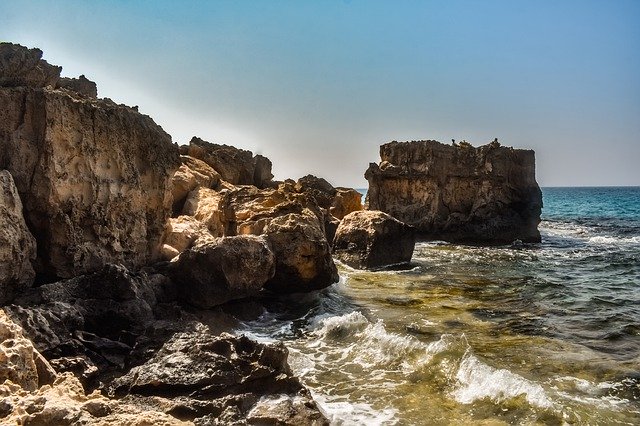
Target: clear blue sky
(318, 86)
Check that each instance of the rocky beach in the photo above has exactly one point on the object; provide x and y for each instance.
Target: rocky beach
(147, 283)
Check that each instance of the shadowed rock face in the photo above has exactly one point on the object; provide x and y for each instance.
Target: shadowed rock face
(460, 193)
(20, 66)
(92, 175)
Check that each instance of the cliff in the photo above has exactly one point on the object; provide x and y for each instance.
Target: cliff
(458, 193)
(92, 175)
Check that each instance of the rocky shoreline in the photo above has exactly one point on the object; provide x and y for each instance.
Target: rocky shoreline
(121, 256)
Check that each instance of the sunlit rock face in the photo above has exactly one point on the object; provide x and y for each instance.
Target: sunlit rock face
(485, 195)
(93, 176)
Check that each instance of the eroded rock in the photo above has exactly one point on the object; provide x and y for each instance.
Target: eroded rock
(81, 85)
(338, 201)
(224, 269)
(373, 239)
(93, 176)
(17, 245)
(458, 193)
(20, 66)
(205, 205)
(191, 174)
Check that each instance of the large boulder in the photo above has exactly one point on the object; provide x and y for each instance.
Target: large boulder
(338, 201)
(236, 166)
(458, 193)
(93, 176)
(373, 239)
(181, 233)
(221, 380)
(224, 269)
(204, 204)
(17, 245)
(303, 255)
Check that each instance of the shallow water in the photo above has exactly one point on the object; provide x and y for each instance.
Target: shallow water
(524, 334)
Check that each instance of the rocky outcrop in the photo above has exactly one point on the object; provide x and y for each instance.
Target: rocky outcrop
(236, 166)
(338, 201)
(93, 176)
(373, 239)
(458, 193)
(20, 66)
(191, 174)
(224, 269)
(221, 380)
(17, 245)
(204, 205)
(181, 233)
(81, 85)
(303, 255)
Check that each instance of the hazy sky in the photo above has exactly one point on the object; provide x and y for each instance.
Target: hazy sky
(318, 86)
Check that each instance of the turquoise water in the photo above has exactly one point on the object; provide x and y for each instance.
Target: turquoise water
(544, 333)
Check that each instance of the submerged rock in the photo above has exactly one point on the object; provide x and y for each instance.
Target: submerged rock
(223, 269)
(373, 239)
(93, 176)
(458, 193)
(17, 245)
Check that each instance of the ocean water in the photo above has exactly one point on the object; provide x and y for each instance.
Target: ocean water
(525, 334)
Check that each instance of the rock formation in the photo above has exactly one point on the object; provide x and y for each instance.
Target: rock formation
(338, 201)
(224, 269)
(17, 245)
(373, 239)
(236, 166)
(92, 175)
(458, 193)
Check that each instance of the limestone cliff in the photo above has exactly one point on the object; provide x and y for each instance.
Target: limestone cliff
(92, 175)
(458, 193)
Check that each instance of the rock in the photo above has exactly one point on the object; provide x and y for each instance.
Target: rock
(225, 269)
(458, 193)
(373, 239)
(236, 166)
(20, 362)
(191, 174)
(65, 403)
(17, 245)
(181, 233)
(219, 379)
(93, 176)
(20, 66)
(204, 204)
(338, 201)
(81, 85)
(303, 256)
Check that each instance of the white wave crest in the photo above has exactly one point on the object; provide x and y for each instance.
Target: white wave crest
(477, 380)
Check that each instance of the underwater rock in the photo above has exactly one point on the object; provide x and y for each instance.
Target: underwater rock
(373, 239)
(458, 193)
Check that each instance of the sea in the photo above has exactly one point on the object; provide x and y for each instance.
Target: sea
(522, 334)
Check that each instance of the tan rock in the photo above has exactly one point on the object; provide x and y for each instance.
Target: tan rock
(338, 201)
(93, 177)
(191, 174)
(181, 233)
(236, 166)
(204, 204)
(373, 239)
(17, 245)
(458, 193)
(303, 257)
(81, 85)
(17, 355)
(346, 200)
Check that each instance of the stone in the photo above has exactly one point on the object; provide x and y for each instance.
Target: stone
(81, 85)
(338, 201)
(181, 233)
(204, 205)
(93, 176)
(17, 245)
(224, 269)
(484, 195)
(236, 166)
(20, 66)
(191, 174)
(303, 255)
(373, 239)
(219, 379)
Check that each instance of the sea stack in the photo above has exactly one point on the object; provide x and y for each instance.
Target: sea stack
(458, 193)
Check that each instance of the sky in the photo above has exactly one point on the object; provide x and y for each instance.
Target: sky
(318, 86)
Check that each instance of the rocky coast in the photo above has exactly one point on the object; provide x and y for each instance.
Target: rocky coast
(122, 254)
